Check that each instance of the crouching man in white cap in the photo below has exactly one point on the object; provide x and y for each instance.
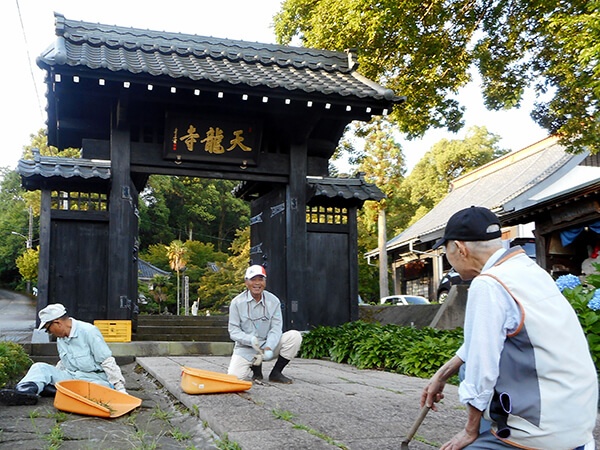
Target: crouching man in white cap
(83, 354)
(255, 324)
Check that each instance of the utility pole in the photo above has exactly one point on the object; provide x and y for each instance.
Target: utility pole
(30, 234)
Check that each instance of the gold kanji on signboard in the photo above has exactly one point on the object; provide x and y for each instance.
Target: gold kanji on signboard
(190, 138)
(213, 140)
(238, 141)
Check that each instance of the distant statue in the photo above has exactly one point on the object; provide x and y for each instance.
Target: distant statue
(195, 308)
(207, 312)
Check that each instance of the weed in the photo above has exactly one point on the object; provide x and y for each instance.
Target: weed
(158, 413)
(34, 414)
(283, 415)
(425, 441)
(178, 435)
(320, 435)
(55, 437)
(226, 444)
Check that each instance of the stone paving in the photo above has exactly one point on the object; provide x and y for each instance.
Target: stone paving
(159, 423)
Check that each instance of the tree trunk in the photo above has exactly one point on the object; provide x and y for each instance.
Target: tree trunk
(384, 289)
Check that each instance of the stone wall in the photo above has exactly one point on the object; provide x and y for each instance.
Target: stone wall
(447, 316)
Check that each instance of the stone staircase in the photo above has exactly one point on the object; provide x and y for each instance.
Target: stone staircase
(181, 328)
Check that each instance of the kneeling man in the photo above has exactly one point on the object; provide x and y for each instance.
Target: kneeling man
(83, 354)
(255, 325)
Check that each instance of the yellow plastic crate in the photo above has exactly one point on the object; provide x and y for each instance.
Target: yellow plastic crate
(115, 330)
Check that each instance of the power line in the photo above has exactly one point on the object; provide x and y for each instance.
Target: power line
(29, 61)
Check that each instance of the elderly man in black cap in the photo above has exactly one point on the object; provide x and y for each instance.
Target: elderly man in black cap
(83, 354)
(527, 365)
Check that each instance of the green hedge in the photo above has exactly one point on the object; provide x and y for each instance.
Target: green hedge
(14, 363)
(405, 350)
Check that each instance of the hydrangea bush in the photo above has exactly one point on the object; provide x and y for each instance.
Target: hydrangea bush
(585, 299)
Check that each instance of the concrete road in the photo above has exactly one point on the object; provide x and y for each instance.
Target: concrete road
(17, 316)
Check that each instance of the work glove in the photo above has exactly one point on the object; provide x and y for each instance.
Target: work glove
(256, 344)
(268, 355)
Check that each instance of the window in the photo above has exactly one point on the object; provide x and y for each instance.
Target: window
(79, 201)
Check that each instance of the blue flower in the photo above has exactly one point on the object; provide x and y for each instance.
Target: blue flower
(594, 303)
(567, 282)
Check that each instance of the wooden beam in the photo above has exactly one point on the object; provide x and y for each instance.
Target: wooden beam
(296, 240)
(122, 226)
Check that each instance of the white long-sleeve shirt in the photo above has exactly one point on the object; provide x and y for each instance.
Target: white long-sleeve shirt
(491, 314)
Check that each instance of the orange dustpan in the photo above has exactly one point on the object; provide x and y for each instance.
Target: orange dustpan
(196, 381)
(91, 399)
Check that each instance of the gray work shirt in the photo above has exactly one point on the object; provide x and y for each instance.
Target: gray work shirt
(248, 318)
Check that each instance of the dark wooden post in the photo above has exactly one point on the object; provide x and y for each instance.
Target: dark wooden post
(353, 261)
(296, 254)
(120, 301)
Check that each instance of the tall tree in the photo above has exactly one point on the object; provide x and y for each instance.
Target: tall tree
(190, 209)
(424, 50)
(177, 254)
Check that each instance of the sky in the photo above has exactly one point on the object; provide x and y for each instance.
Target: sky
(23, 92)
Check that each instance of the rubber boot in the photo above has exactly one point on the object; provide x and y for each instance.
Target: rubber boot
(48, 391)
(257, 373)
(22, 394)
(276, 375)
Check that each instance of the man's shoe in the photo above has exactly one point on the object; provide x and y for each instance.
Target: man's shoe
(278, 377)
(48, 391)
(257, 373)
(12, 397)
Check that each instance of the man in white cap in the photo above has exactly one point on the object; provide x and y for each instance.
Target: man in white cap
(83, 354)
(255, 324)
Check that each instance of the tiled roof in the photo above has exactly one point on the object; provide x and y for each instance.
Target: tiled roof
(147, 270)
(491, 186)
(160, 53)
(49, 167)
(345, 188)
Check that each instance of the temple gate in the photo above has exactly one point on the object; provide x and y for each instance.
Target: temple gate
(140, 102)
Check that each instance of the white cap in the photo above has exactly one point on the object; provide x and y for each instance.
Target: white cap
(50, 313)
(255, 270)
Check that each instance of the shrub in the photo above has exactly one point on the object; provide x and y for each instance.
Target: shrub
(14, 363)
(406, 350)
(585, 299)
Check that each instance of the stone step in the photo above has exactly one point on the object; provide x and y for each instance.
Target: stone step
(182, 337)
(155, 331)
(173, 321)
(121, 350)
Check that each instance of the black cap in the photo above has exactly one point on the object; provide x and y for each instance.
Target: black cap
(471, 224)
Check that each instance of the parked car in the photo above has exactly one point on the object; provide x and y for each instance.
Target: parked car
(399, 300)
(448, 280)
(528, 245)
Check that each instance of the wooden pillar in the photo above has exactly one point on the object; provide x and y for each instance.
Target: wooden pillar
(121, 234)
(353, 261)
(44, 261)
(297, 314)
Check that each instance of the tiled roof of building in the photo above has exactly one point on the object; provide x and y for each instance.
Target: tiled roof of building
(345, 188)
(160, 53)
(491, 186)
(147, 270)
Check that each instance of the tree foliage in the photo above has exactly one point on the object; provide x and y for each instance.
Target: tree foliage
(429, 181)
(424, 50)
(28, 264)
(186, 208)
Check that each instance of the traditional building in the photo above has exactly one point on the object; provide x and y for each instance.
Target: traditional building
(540, 188)
(141, 102)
